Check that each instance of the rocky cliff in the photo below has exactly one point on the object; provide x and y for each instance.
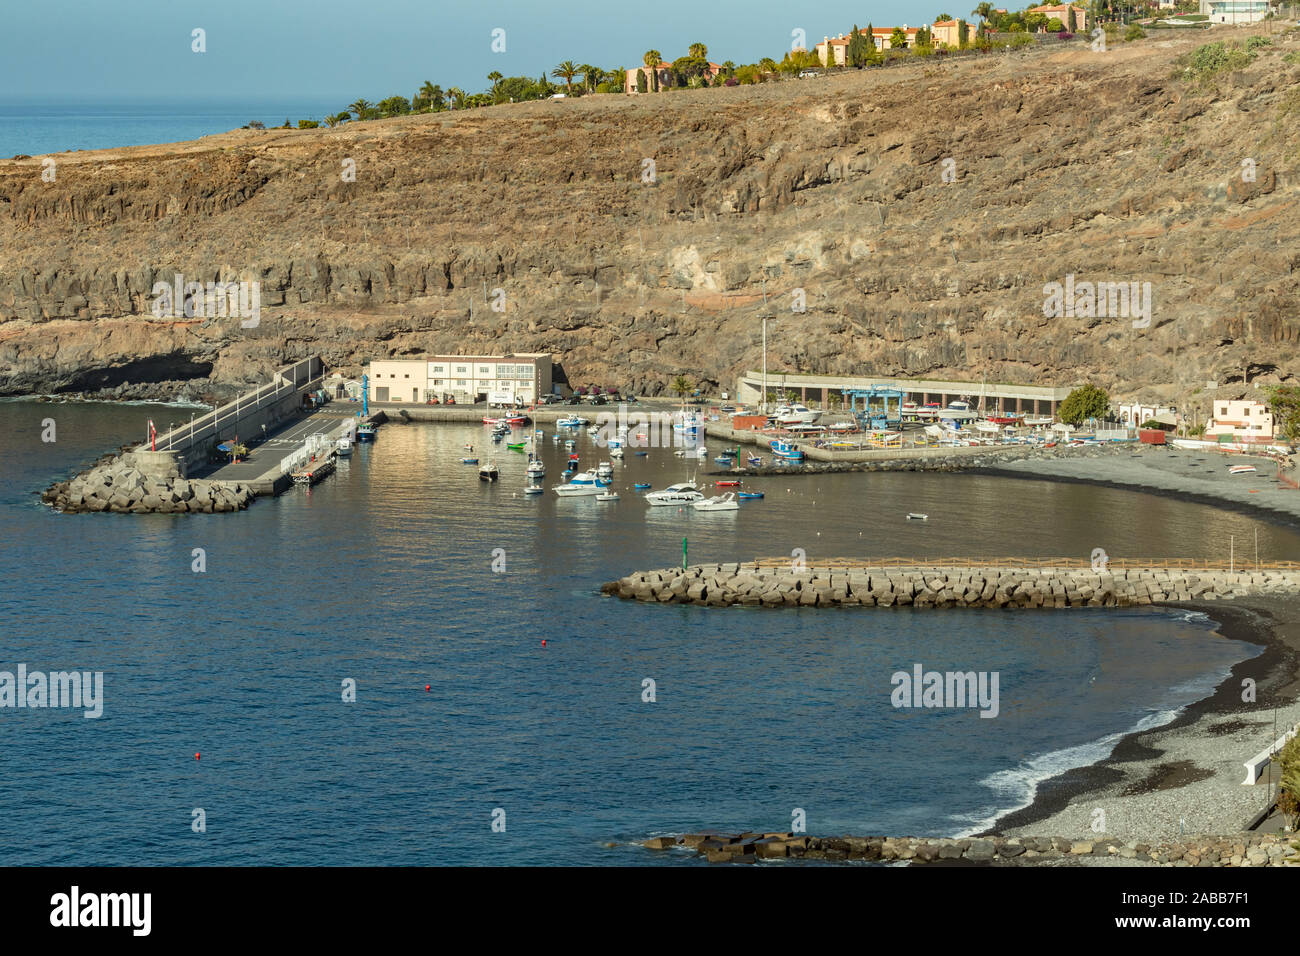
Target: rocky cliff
(639, 237)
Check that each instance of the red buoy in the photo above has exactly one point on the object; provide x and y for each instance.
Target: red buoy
(196, 756)
(426, 687)
(543, 642)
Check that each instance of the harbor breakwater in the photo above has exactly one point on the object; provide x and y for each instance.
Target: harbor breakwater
(775, 582)
(122, 484)
(1243, 849)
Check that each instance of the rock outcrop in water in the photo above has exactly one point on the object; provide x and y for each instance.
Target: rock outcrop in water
(1066, 162)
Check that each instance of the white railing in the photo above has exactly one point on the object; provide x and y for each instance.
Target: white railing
(1256, 764)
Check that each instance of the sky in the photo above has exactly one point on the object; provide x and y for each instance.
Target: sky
(100, 51)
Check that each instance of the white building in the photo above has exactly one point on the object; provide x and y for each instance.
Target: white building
(1242, 419)
(1137, 414)
(1234, 11)
(466, 378)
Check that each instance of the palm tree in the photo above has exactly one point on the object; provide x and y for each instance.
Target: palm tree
(681, 385)
(566, 71)
(698, 50)
(362, 109)
(457, 97)
(590, 77)
(335, 119)
(652, 59)
(494, 78)
(767, 65)
(983, 11)
(432, 94)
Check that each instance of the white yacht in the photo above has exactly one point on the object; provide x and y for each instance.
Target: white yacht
(796, 414)
(536, 469)
(605, 470)
(583, 483)
(682, 493)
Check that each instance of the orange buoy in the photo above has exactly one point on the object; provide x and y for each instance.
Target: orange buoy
(426, 686)
(196, 756)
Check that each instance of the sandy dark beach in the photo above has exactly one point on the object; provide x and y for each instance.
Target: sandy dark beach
(1187, 773)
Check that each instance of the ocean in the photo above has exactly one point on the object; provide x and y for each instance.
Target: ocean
(32, 128)
(433, 593)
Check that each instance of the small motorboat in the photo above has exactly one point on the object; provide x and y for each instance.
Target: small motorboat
(469, 461)
(607, 496)
(616, 452)
(344, 448)
(725, 461)
(536, 469)
(366, 431)
(488, 472)
(516, 445)
(534, 489)
(725, 502)
(642, 486)
(755, 461)
(570, 444)
(578, 486)
(727, 484)
(1241, 470)
(556, 438)
(642, 454)
(572, 421)
(682, 493)
(749, 494)
(917, 516)
(605, 469)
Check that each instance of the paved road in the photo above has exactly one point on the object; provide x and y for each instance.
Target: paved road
(265, 456)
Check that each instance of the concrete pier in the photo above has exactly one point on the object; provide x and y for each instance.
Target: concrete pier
(780, 582)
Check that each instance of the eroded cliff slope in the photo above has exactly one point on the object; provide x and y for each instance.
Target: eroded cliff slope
(1104, 166)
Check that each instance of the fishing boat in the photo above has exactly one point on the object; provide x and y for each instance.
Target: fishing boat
(607, 496)
(536, 469)
(725, 461)
(786, 450)
(488, 472)
(572, 421)
(517, 445)
(725, 502)
(314, 471)
(366, 431)
(1241, 470)
(755, 461)
(642, 486)
(684, 492)
(917, 516)
(578, 485)
(344, 447)
(469, 461)
(605, 469)
(727, 484)
(749, 494)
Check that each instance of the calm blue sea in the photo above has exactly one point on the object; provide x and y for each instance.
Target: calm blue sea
(383, 575)
(33, 127)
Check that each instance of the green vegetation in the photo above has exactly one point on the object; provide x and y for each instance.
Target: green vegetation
(1284, 403)
(1134, 32)
(1207, 62)
(1085, 402)
(1288, 762)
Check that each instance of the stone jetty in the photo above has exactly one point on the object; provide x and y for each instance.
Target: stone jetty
(1242, 849)
(843, 583)
(116, 483)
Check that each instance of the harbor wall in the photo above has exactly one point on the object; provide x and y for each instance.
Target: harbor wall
(768, 584)
(1238, 849)
(187, 445)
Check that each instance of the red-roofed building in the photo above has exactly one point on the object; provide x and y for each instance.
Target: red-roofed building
(880, 36)
(665, 75)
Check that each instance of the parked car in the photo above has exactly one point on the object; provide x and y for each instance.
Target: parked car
(574, 401)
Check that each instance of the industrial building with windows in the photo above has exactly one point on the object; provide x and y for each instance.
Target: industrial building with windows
(500, 379)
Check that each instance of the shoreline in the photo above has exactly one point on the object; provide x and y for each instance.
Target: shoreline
(1144, 763)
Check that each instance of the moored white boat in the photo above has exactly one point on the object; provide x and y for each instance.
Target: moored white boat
(725, 502)
(684, 492)
(796, 414)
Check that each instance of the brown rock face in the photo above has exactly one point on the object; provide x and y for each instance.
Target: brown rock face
(1061, 162)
